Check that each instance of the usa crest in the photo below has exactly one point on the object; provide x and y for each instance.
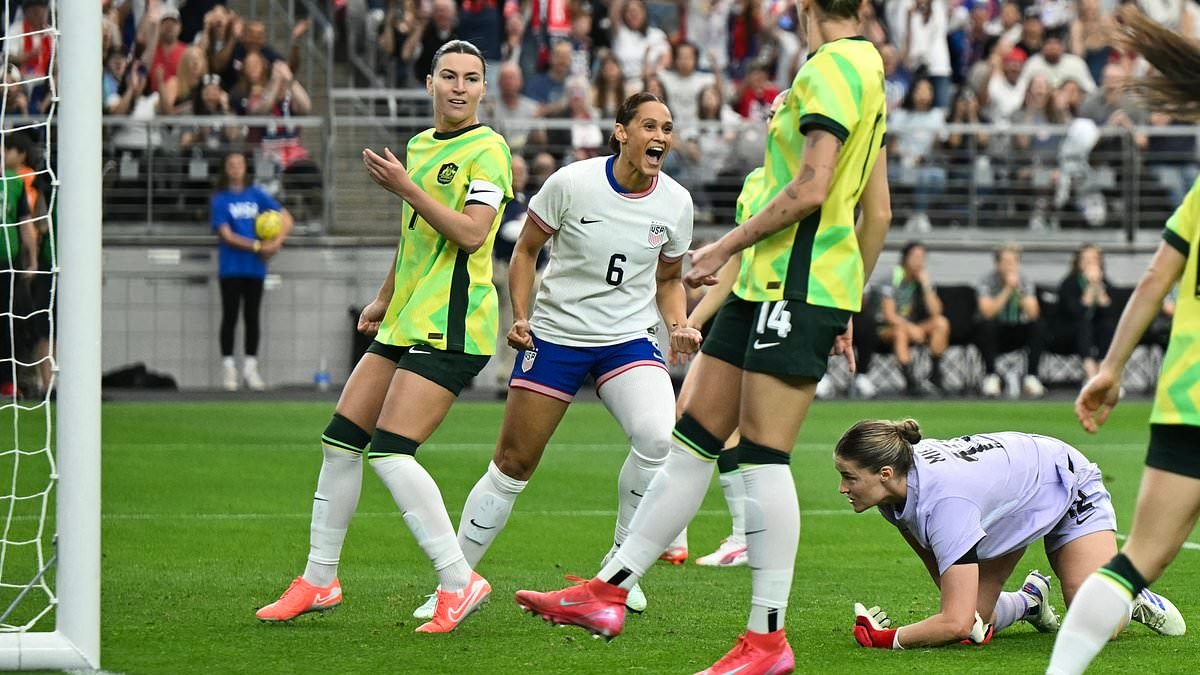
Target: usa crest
(658, 234)
(527, 361)
(447, 172)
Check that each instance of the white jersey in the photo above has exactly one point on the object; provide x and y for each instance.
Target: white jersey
(995, 492)
(599, 285)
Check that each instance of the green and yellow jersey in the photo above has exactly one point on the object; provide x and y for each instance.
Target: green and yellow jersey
(840, 90)
(1177, 400)
(443, 295)
(750, 187)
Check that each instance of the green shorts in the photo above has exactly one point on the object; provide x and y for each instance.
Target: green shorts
(782, 337)
(1174, 448)
(451, 370)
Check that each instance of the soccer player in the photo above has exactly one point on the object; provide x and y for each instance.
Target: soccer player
(969, 507)
(435, 323)
(1169, 497)
(802, 271)
(732, 551)
(618, 228)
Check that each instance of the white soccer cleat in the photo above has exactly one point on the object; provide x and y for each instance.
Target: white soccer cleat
(254, 381)
(426, 610)
(731, 553)
(1158, 614)
(229, 378)
(1040, 615)
(636, 600)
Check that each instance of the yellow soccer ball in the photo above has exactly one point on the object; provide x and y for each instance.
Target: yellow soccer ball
(268, 224)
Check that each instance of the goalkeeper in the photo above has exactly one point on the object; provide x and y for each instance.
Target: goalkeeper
(969, 506)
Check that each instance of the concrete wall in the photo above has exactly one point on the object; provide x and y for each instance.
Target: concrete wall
(162, 302)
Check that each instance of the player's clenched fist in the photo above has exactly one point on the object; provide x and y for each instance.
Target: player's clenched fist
(872, 627)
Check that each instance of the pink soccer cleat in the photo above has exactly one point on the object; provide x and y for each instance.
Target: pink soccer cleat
(302, 597)
(594, 606)
(731, 553)
(756, 654)
(453, 607)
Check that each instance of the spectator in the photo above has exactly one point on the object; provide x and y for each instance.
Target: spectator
(872, 26)
(1032, 33)
(896, 78)
(608, 87)
(911, 315)
(218, 39)
(550, 88)
(683, 84)
(17, 159)
(636, 44)
(926, 48)
(211, 99)
(708, 24)
(1086, 318)
(540, 168)
(1007, 27)
(439, 28)
(756, 93)
(1172, 159)
(1004, 92)
(705, 147)
(511, 111)
(512, 51)
(1089, 37)
(1069, 98)
(17, 259)
(978, 38)
(918, 126)
(139, 104)
(1036, 154)
(1110, 106)
(177, 91)
(116, 100)
(966, 155)
(1008, 321)
(399, 22)
(586, 139)
(254, 41)
(283, 97)
(1058, 65)
(745, 26)
(582, 48)
(31, 47)
(242, 264)
(169, 51)
(481, 23)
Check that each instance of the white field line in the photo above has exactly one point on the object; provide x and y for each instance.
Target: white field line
(1187, 545)
(596, 513)
(472, 447)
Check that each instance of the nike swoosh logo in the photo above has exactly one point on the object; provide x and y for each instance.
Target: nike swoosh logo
(764, 345)
(755, 532)
(568, 603)
(737, 670)
(458, 613)
(477, 191)
(482, 527)
(322, 599)
(413, 350)
(635, 493)
(585, 221)
(1079, 520)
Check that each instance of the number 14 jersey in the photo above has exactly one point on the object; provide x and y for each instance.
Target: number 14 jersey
(599, 285)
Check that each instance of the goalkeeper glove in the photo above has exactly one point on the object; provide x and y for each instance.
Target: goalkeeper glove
(981, 633)
(872, 628)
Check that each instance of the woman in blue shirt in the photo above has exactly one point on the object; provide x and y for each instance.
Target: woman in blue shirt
(242, 263)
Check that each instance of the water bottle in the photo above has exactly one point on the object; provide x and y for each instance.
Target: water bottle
(1012, 384)
(321, 377)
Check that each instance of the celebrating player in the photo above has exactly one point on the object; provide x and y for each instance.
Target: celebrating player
(1169, 497)
(732, 550)
(435, 323)
(618, 228)
(802, 274)
(969, 506)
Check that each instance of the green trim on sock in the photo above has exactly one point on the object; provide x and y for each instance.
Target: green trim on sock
(695, 449)
(1121, 581)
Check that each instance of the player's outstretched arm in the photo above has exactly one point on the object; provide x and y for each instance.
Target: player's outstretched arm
(956, 622)
(1100, 394)
(707, 308)
(671, 299)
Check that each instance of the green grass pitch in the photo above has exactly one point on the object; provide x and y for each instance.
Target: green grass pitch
(206, 512)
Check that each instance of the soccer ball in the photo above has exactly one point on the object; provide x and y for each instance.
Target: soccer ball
(268, 224)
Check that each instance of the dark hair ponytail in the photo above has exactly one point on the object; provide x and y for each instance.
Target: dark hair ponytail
(628, 111)
(457, 47)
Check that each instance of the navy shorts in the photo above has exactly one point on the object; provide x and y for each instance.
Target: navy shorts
(559, 371)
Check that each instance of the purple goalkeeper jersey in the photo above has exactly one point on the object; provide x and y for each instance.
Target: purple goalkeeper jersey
(1001, 491)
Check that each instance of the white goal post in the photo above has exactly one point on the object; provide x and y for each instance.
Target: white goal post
(75, 641)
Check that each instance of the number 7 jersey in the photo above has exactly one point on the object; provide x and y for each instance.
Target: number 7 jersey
(599, 286)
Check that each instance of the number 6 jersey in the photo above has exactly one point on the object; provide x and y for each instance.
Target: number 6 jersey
(599, 286)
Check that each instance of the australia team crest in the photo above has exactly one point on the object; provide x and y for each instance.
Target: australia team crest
(658, 234)
(447, 172)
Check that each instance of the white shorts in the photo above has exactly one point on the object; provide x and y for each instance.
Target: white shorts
(1091, 510)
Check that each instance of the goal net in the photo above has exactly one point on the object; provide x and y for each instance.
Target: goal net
(49, 448)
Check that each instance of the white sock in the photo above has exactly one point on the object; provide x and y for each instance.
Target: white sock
(735, 498)
(1011, 607)
(772, 535)
(228, 362)
(486, 512)
(250, 363)
(680, 540)
(1099, 609)
(338, 487)
(420, 502)
(642, 401)
(671, 500)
